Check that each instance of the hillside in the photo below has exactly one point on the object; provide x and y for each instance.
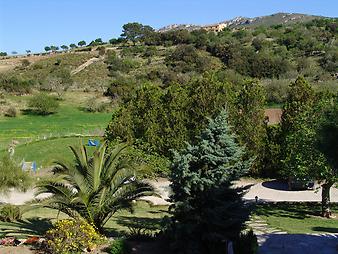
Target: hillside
(238, 22)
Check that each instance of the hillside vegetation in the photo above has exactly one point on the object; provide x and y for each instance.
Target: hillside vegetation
(164, 84)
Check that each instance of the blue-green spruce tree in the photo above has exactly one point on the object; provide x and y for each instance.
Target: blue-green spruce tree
(207, 209)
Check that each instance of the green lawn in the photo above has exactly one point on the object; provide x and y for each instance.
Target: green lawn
(36, 222)
(68, 120)
(297, 218)
(46, 152)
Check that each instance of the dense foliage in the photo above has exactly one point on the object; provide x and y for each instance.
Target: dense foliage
(309, 128)
(166, 118)
(207, 209)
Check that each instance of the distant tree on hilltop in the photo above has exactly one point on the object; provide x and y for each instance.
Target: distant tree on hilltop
(135, 31)
(64, 47)
(72, 46)
(81, 43)
(54, 48)
(47, 48)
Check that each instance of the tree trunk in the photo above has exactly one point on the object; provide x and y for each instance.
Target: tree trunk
(326, 212)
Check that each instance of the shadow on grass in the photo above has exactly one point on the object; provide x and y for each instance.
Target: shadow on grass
(137, 223)
(325, 229)
(32, 112)
(296, 211)
(27, 227)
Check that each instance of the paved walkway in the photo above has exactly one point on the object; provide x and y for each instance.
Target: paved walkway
(298, 244)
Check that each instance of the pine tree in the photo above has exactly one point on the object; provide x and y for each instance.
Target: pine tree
(207, 209)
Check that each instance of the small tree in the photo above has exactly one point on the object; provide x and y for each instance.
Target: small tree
(135, 31)
(43, 104)
(327, 143)
(72, 46)
(64, 47)
(54, 48)
(47, 49)
(81, 43)
(310, 143)
(28, 51)
(94, 188)
(207, 209)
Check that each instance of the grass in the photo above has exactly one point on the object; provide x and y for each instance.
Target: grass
(36, 222)
(46, 152)
(297, 218)
(69, 119)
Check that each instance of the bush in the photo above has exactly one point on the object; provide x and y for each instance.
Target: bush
(119, 246)
(11, 112)
(43, 104)
(72, 236)
(101, 50)
(13, 84)
(11, 176)
(93, 105)
(9, 213)
(246, 244)
(25, 63)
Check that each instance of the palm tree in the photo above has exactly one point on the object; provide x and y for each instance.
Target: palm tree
(94, 188)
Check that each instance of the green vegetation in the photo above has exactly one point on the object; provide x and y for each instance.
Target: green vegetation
(118, 246)
(105, 183)
(43, 104)
(144, 216)
(11, 176)
(73, 236)
(206, 209)
(10, 213)
(69, 120)
(297, 218)
(166, 88)
(46, 152)
(309, 130)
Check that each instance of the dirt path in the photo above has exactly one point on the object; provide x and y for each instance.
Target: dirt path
(85, 65)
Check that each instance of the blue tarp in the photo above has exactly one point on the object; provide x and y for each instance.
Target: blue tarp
(92, 142)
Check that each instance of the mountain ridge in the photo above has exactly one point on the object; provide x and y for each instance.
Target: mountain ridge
(237, 22)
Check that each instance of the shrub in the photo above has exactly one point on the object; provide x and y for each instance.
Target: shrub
(43, 104)
(13, 84)
(11, 112)
(94, 105)
(246, 243)
(119, 246)
(25, 63)
(101, 50)
(9, 213)
(69, 236)
(11, 175)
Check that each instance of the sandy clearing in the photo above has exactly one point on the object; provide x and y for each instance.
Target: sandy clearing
(265, 191)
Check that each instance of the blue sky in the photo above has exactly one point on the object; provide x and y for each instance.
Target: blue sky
(33, 24)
